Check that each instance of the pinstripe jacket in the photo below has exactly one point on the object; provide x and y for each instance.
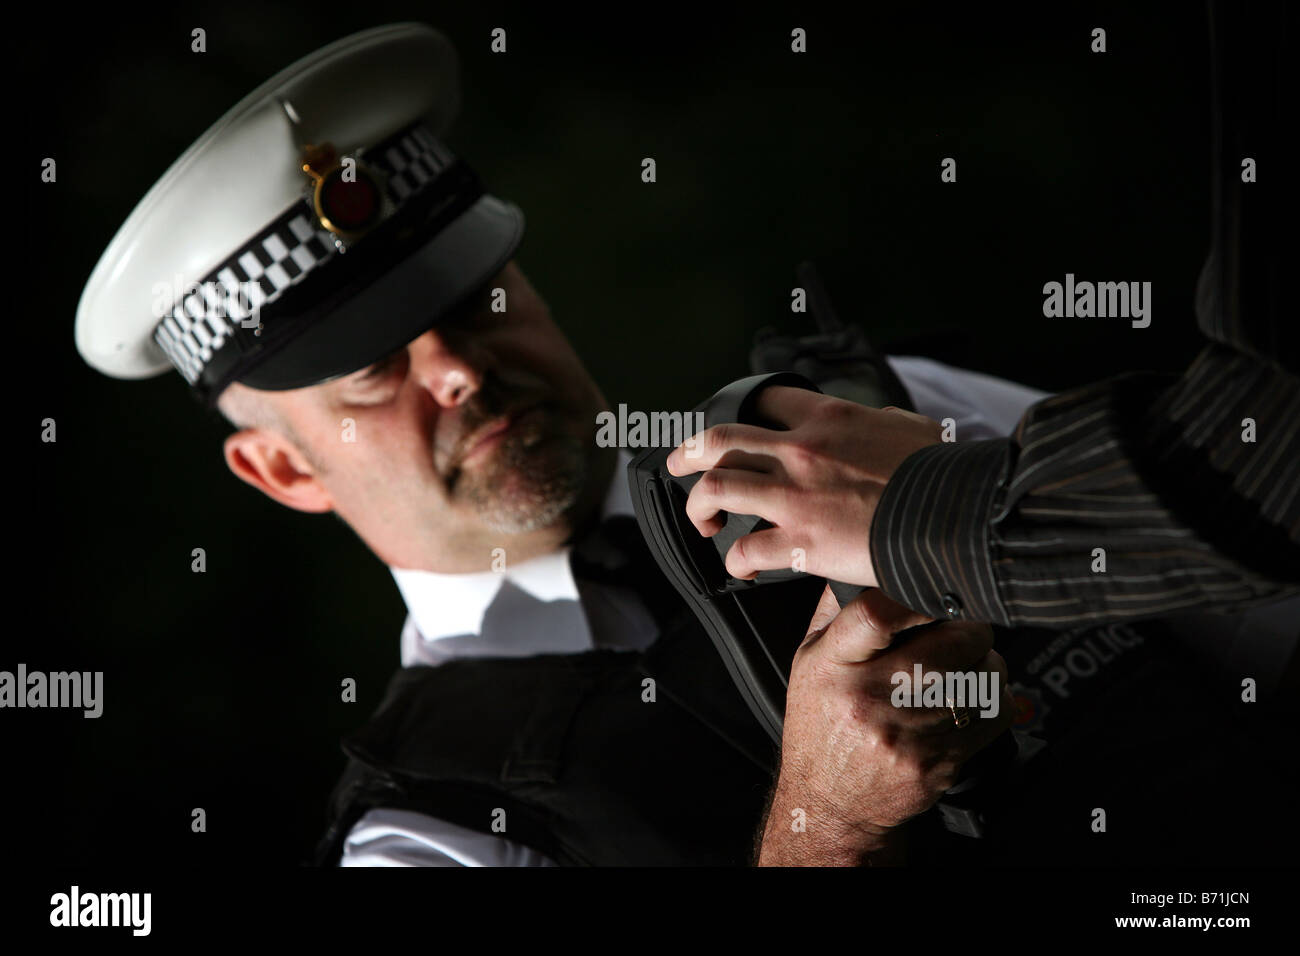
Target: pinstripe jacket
(1146, 494)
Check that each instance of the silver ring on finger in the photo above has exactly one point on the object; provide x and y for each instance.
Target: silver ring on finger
(960, 715)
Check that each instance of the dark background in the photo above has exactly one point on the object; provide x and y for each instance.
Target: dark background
(222, 689)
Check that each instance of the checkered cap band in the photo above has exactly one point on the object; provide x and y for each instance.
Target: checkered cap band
(282, 255)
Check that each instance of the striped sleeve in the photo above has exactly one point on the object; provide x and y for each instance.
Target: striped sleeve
(1130, 498)
(1144, 495)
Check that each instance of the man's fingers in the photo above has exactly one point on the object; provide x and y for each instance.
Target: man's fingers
(946, 646)
(867, 625)
(888, 614)
(788, 406)
(732, 489)
(748, 461)
(914, 416)
(976, 684)
(944, 651)
(980, 731)
(702, 451)
(766, 550)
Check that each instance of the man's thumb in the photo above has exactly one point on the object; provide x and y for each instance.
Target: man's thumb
(866, 626)
(827, 608)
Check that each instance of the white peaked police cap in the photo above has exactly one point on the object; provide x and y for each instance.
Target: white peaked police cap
(316, 227)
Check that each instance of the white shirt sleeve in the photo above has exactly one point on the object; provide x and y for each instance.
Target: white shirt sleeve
(406, 838)
(981, 406)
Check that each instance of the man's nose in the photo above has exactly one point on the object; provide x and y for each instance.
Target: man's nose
(451, 368)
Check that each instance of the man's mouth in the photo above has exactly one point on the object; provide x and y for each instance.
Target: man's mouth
(485, 440)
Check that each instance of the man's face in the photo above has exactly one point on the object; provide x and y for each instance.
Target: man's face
(478, 434)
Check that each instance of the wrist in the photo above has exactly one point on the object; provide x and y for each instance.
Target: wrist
(799, 832)
(930, 534)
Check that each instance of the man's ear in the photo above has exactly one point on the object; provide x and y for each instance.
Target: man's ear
(270, 463)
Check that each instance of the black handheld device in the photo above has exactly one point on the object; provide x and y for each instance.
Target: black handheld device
(756, 625)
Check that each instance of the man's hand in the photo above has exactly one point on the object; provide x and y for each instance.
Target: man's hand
(818, 483)
(854, 767)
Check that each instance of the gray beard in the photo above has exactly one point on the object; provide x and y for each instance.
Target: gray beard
(532, 482)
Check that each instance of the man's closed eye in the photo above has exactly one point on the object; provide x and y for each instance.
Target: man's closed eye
(380, 369)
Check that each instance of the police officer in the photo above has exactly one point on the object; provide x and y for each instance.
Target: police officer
(321, 268)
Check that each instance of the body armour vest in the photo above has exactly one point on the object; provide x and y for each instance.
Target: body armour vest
(653, 758)
(598, 758)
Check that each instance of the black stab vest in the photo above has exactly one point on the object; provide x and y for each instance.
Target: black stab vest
(586, 769)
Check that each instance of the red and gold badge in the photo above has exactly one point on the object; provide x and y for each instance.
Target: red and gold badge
(348, 198)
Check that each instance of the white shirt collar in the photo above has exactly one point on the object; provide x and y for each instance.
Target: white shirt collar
(441, 606)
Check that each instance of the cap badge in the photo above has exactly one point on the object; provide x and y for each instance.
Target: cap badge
(347, 196)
